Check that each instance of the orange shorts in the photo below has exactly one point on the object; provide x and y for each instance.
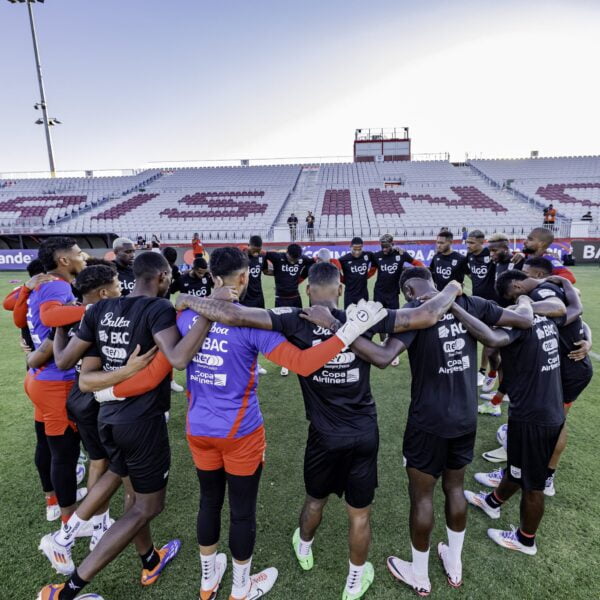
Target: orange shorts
(50, 403)
(239, 456)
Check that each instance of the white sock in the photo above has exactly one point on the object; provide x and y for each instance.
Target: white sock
(420, 563)
(304, 547)
(455, 545)
(355, 573)
(101, 519)
(66, 534)
(241, 579)
(209, 572)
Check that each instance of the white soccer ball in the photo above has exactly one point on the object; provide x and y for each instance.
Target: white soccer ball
(501, 434)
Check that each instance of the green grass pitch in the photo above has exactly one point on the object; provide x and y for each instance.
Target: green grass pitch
(566, 566)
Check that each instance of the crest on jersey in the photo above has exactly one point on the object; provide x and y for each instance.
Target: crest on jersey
(397, 258)
(486, 259)
(454, 262)
(260, 259)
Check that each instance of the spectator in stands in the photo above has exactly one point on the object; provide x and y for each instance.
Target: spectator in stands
(141, 242)
(464, 235)
(310, 226)
(549, 216)
(587, 216)
(293, 225)
(197, 247)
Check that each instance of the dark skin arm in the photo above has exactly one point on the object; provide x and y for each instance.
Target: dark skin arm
(380, 356)
(68, 352)
(583, 346)
(38, 358)
(492, 338)
(520, 316)
(180, 350)
(574, 305)
(550, 307)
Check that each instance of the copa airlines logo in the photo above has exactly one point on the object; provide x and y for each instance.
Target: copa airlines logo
(359, 269)
(108, 321)
(391, 269)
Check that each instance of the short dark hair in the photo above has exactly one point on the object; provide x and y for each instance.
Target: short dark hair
(92, 262)
(227, 260)
(544, 234)
(199, 263)
(323, 273)
(356, 241)
(49, 247)
(148, 265)
(506, 279)
(94, 277)
(35, 267)
(170, 254)
(477, 234)
(294, 250)
(414, 273)
(256, 241)
(539, 262)
(446, 234)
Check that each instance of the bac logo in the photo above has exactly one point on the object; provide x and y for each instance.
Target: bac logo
(443, 332)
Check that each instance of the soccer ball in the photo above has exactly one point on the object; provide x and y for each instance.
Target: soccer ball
(501, 434)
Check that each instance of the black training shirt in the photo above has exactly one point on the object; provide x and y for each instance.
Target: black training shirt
(356, 275)
(258, 264)
(447, 267)
(196, 286)
(126, 278)
(389, 268)
(482, 270)
(288, 275)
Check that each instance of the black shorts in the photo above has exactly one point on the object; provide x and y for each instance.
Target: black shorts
(83, 410)
(139, 451)
(529, 448)
(575, 379)
(432, 454)
(294, 301)
(254, 301)
(90, 436)
(342, 465)
(390, 301)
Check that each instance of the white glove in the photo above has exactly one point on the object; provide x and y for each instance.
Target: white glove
(106, 395)
(359, 319)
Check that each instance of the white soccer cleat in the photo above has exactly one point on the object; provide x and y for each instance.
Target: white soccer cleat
(502, 435)
(509, 539)
(261, 370)
(83, 458)
(492, 479)
(487, 408)
(402, 570)
(260, 584)
(52, 512)
(395, 362)
(98, 532)
(284, 372)
(496, 456)
(58, 555)
(478, 500)
(480, 378)
(549, 489)
(453, 572)
(80, 472)
(220, 568)
(175, 387)
(488, 383)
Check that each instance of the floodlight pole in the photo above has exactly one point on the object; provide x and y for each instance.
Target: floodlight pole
(42, 95)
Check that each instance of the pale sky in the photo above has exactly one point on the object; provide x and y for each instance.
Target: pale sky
(141, 81)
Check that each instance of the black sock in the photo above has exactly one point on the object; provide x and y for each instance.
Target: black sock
(526, 540)
(72, 587)
(550, 472)
(150, 559)
(493, 501)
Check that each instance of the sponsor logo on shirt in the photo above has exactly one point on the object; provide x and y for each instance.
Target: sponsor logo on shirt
(456, 365)
(445, 272)
(282, 310)
(359, 269)
(393, 268)
(208, 360)
(479, 272)
(291, 269)
(545, 293)
(127, 285)
(454, 346)
(114, 353)
(108, 321)
(255, 271)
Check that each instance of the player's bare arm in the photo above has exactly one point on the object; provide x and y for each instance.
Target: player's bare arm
(492, 338)
(68, 352)
(180, 350)
(549, 307)
(38, 358)
(519, 316)
(583, 346)
(377, 355)
(574, 305)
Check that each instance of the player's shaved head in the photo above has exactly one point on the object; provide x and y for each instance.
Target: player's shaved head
(323, 274)
(149, 265)
(477, 234)
(543, 235)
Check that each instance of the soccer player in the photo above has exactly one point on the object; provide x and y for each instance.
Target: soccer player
(197, 281)
(531, 364)
(170, 254)
(480, 267)
(357, 268)
(499, 247)
(124, 250)
(257, 265)
(536, 245)
(447, 264)
(225, 427)
(132, 430)
(341, 453)
(440, 433)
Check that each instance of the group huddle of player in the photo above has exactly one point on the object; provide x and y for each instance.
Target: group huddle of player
(102, 339)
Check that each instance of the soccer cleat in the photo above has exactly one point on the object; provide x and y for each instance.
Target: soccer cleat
(492, 479)
(284, 372)
(479, 501)
(489, 396)
(99, 531)
(52, 512)
(402, 571)
(261, 370)
(365, 583)
(509, 539)
(480, 378)
(83, 458)
(260, 584)
(58, 555)
(81, 494)
(488, 383)
(496, 456)
(395, 362)
(175, 387)
(220, 567)
(453, 573)
(549, 489)
(50, 592)
(80, 472)
(306, 560)
(502, 435)
(487, 408)
(167, 553)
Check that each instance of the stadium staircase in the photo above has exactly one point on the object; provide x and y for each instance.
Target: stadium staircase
(303, 198)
